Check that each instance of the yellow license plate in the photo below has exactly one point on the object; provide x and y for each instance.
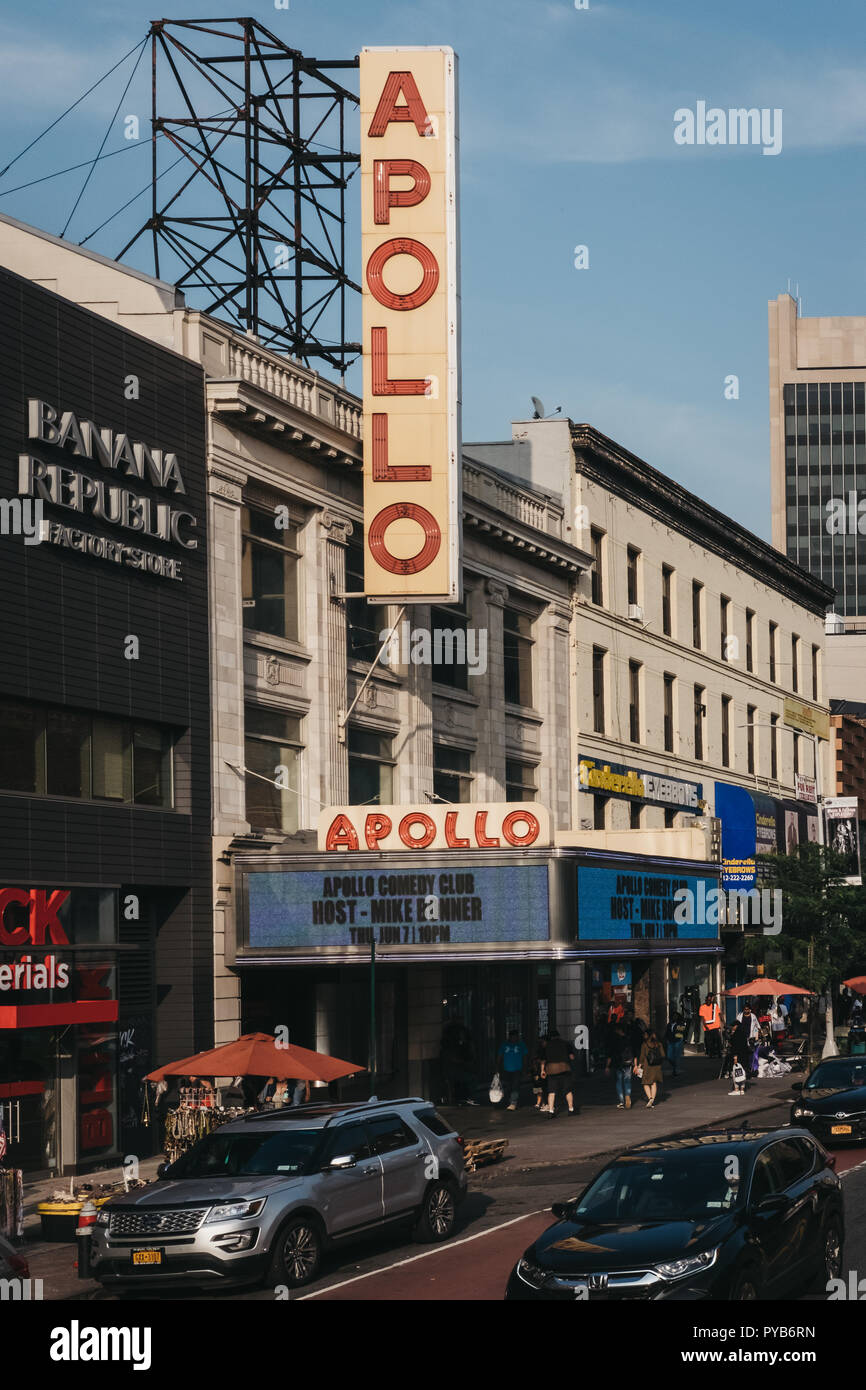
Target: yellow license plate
(147, 1257)
(840, 1129)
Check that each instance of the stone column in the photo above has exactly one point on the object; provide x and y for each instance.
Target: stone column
(486, 611)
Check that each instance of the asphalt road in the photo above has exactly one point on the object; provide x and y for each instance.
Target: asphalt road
(504, 1211)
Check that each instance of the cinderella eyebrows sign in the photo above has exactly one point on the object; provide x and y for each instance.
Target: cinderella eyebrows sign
(411, 324)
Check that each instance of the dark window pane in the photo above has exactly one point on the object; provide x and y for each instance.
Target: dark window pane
(20, 746)
(112, 760)
(151, 763)
(67, 751)
(270, 806)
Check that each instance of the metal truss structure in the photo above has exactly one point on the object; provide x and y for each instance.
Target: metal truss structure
(257, 227)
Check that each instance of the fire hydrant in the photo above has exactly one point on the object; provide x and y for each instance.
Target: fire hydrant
(84, 1236)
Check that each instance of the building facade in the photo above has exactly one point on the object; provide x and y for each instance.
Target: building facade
(106, 946)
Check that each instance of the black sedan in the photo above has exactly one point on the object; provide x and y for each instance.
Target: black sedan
(832, 1101)
(741, 1214)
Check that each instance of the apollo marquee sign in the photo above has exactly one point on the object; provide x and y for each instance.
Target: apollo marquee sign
(494, 825)
(411, 324)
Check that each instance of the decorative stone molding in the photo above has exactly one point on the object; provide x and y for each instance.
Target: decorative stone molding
(337, 528)
(497, 593)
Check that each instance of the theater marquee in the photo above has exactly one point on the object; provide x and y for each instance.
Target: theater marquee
(411, 324)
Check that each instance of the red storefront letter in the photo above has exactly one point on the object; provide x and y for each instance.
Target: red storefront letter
(380, 552)
(481, 832)
(382, 384)
(382, 470)
(452, 839)
(341, 834)
(402, 246)
(12, 936)
(376, 828)
(513, 818)
(44, 908)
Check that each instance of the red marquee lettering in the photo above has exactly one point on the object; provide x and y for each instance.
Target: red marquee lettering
(341, 834)
(382, 385)
(452, 839)
(513, 818)
(387, 111)
(383, 472)
(44, 908)
(402, 246)
(385, 197)
(415, 563)
(481, 832)
(376, 828)
(417, 818)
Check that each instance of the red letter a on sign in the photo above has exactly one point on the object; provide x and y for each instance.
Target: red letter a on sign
(388, 110)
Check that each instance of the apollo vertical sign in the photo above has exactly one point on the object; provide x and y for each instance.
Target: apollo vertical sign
(411, 324)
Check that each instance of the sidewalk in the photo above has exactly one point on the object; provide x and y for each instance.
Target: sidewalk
(693, 1100)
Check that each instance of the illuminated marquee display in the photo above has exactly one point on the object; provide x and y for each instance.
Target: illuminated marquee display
(411, 324)
(494, 825)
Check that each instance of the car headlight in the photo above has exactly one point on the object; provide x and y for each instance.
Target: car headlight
(693, 1264)
(531, 1274)
(228, 1211)
(103, 1217)
(802, 1112)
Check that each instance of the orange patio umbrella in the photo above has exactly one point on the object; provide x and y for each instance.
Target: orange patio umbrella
(755, 988)
(857, 983)
(257, 1054)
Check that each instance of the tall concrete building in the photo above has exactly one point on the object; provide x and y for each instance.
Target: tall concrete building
(818, 471)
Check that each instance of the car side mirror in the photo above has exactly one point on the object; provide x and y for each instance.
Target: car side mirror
(559, 1210)
(796, 1085)
(162, 1170)
(342, 1162)
(773, 1204)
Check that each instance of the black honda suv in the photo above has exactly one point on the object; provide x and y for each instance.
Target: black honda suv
(732, 1215)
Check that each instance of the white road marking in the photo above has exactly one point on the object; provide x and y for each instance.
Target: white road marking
(438, 1250)
(855, 1169)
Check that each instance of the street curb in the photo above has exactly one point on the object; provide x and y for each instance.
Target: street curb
(496, 1169)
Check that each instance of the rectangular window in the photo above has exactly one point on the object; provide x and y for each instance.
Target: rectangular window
(371, 768)
(599, 812)
(726, 731)
(669, 712)
(774, 632)
(724, 612)
(815, 673)
(774, 753)
(667, 609)
(272, 757)
(795, 662)
(635, 809)
(632, 554)
(269, 567)
(452, 773)
(22, 747)
(448, 636)
(697, 593)
(517, 651)
(670, 818)
(112, 764)
(700, 711)
(60, 752)
(634, 700)
(364, 621)
(598, 689)
(519, 781)
(597, 540)
(67, 752)
(750, 633)
(750, 738)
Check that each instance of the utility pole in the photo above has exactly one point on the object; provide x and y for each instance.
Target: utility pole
(372, 1020)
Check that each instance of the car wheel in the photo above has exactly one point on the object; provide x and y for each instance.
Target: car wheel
(745, 1287)
(438, 1213)
(830, 1267)
(297, 1254)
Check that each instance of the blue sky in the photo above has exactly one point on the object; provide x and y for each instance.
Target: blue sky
(567, 121)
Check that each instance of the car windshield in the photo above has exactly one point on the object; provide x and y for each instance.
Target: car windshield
(837, 1073)
(248, 1155)
(686, 1186)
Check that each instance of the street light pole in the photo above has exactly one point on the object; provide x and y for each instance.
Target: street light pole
(372, 1020)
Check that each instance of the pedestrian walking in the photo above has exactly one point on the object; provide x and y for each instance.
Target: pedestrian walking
(512, 1055)
(675, 1042)
(741, 1046)
(621, 1059)
(649, 1067)
(559, 1060)
(539, 1077)
(712, 1020)
(754, 1036)
(778, 1022)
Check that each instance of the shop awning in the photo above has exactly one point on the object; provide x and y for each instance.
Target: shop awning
(55, 1015)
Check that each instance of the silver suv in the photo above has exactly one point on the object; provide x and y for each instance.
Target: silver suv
(263, 1197)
